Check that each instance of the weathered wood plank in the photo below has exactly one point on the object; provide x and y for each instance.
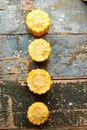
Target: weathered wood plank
(12, 15)
(66, 16)
(67, 104)
(68, 56)
(67, 99)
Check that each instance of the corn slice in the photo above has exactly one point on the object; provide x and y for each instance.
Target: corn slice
(39, 50)
(39, 81)
(36, 20)
(37, 113)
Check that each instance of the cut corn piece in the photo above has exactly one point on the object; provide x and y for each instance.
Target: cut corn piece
(37, 113)
(39, 50)
(39, 81)
(37, 19)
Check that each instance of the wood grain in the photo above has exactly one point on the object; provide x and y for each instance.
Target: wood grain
(67, 65)
(67, 104)
(66, 17)
(68, 56)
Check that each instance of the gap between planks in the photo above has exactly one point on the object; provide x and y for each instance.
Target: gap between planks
(57, 111)
(57, 80)
(82, 127)
(60, 33)
(68, 79)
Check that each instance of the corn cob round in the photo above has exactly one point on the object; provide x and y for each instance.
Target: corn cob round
(39, 50)
(37, 22)
(37, 113)
(39, 81)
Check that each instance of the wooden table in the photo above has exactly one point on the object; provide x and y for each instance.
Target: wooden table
(67, 65)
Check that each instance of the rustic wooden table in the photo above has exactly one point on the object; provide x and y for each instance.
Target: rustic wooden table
(67, 65)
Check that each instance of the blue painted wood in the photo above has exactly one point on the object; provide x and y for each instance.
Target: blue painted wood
(66, 16)
(67, 99)
(68, 56)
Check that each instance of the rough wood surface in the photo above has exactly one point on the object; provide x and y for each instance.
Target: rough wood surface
(66, 16)
(67, 65)
(67, 104)
(68, 56)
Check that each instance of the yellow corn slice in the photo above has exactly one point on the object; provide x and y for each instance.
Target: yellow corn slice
(37, 22)
(39, 81)
(39, 50)
(37, 113)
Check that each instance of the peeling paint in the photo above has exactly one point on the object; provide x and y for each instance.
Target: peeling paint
(28, 5)
(9, 122)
